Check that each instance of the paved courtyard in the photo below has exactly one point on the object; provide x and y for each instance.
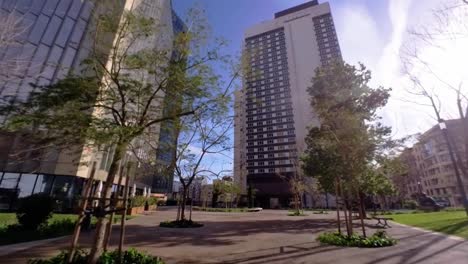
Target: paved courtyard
(265, 237)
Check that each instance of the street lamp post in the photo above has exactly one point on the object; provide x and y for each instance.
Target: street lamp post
(443, 127)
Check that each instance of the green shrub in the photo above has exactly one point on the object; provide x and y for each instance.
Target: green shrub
(152, 201)
(58, 227)
(379, 239)
(320, 212)
(221, 210)
(34, 211)
(130, 256)
(410, 204)
(138, 201)
(180, 224)
(296, 213)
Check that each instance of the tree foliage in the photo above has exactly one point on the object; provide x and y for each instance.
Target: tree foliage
(350, 138)
(136, 77)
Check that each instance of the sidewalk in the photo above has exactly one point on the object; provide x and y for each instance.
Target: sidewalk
(269, 236)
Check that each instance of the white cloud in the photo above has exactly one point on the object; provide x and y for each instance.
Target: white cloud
(447, 58)
(363, 39)
(358, 34)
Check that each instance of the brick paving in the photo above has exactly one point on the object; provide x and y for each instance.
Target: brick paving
(269, 236)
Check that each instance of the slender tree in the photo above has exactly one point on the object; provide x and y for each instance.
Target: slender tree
(119, 100)
(350, 136)
(200, 139)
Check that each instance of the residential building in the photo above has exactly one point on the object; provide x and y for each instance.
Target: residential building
(54, 38)
(430, 170)
(273, 110)
(195, 189)
(207, 195)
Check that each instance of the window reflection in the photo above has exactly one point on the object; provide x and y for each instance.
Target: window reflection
(8, 191)
(26, 184)
(9, 181)
(62, 186)
(44, 183)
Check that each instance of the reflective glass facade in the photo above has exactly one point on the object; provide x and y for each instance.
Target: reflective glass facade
(18, 185)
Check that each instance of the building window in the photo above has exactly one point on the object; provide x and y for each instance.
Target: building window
(26, 184)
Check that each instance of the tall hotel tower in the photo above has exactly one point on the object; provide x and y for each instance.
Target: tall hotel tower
(273, 111)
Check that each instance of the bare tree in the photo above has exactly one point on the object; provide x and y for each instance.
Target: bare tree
(13, 27)
(450, 25)
(202, 137)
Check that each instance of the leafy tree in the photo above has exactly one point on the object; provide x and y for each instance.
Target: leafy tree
(228, 190)
(120, 99)
(297, 183)
(350, 136)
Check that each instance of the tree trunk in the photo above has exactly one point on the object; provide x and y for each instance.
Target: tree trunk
(337, 198)
(346, 209)
(178, 209)
(182, 206)
(124, 213)
(345, 213)
(114, 202)
(350, 218)
(361, 214)
(363, 204)
(191, 207)
(79, 222)
(99, 238)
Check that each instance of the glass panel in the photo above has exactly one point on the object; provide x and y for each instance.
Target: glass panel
(78, 186)
(61, 191)
(26, 184)
(8, 191)
(10, 180)
(62, 186)
(43, 184)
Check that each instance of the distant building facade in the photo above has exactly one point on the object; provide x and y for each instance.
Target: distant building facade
(429, 168)
(273, 110)
(195, 189)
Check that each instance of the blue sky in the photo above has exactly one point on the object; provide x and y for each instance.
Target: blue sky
(369, 31)
(229, 18)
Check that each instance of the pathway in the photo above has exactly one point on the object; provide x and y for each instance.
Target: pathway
(266, 237)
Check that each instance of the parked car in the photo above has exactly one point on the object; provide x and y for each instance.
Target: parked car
(443, 202)
(429, 204)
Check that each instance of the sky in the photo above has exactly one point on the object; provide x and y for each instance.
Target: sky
(374, 32)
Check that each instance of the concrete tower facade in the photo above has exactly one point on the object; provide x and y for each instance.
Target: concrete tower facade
(273, 110)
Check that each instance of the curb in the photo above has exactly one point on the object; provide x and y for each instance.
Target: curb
(12, 248)
(457, 238)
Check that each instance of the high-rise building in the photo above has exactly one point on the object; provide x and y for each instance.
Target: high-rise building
(162, 182)
(273, 111)
(49, 39)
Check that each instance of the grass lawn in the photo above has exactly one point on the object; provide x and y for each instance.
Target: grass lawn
(452, 222)
(58, 225)
(10, 218)
(7, 219)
